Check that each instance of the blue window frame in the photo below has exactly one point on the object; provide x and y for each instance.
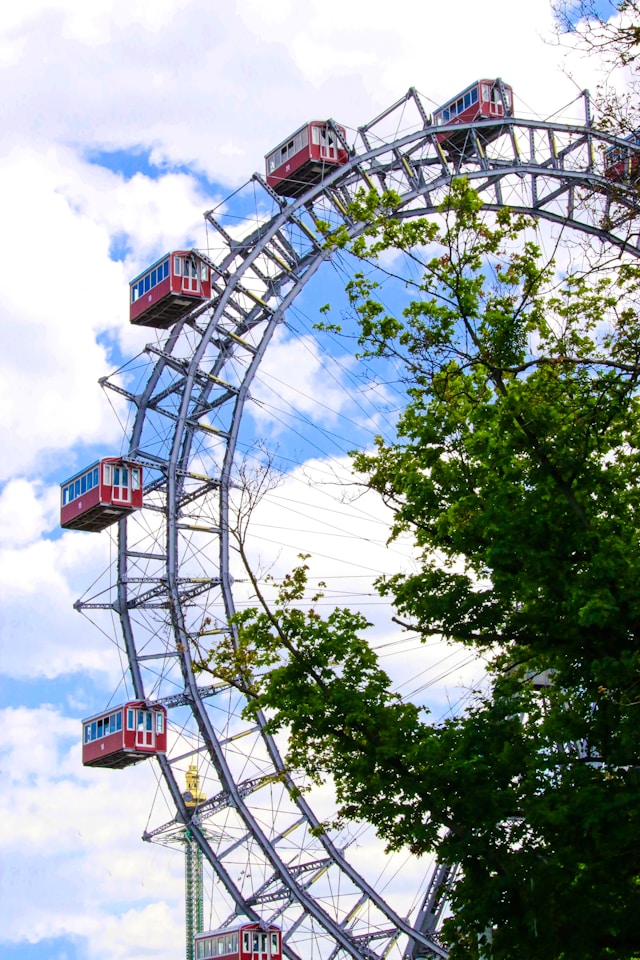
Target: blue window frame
(149, 280)
(455, 107)
(79, 486)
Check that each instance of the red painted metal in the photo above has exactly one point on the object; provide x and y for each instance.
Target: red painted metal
(169, 289)
(305, 157)
(252, 942)
(622, 162)
(100, 495)
(479, 101)
(124, 735)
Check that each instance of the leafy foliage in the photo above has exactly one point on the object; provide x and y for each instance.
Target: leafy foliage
(517, 471)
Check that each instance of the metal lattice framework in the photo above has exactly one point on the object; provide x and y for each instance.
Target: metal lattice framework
(173, 580)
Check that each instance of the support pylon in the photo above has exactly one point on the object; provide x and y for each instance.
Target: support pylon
(192, 866)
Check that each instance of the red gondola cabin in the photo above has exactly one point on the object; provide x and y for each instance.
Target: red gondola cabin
(304, 158)
(246, 941)
(124, 735)
(483, 100)
(169, 289)
(101, 494)
(622, 162)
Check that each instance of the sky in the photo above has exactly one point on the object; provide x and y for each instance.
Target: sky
(122, 123)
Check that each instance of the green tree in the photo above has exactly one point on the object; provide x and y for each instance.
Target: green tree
(516, 469)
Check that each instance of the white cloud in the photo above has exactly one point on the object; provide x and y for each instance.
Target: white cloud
(40, 579)
(295, 377)
(27, 510)
(377, 56)
(62, 290)
(320, 511)
(200, 89)
(73, 863)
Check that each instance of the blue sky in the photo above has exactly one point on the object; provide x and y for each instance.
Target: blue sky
(122, 124)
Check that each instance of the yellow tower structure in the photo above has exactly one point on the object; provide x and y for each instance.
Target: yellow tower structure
(192, 797)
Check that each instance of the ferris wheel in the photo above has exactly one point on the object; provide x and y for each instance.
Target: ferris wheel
(174, 586)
